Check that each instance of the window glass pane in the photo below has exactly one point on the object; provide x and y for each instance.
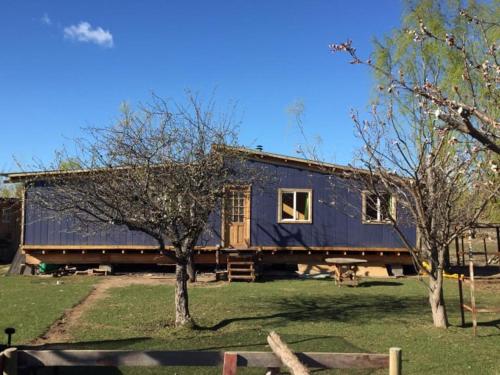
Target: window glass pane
(370, 207)
(5, 216)
(286, 206)
(302, 206)
(385, 206)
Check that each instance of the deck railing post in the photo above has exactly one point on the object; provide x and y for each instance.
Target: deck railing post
(395, 361)
(10, 361)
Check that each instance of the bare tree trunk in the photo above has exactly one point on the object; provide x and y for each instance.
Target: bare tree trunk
(191, 270)
(182, 316)
(436, 300)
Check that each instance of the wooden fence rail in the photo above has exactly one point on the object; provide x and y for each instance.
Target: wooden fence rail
(12, 360)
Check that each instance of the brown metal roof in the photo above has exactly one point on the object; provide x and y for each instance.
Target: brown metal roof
(252, 154)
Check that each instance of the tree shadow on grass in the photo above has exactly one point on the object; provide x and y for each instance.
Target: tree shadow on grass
(352, 308)
(366, 284)
(98, 344)
(492, 323)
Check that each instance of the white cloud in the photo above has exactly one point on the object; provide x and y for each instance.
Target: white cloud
(46, 19)
(83, 32)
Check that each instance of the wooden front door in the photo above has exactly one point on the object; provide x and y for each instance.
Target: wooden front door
(236, 217)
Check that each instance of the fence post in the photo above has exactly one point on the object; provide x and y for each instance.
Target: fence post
(230, 363)
(10, 361)
(461, 297)
(395, 362)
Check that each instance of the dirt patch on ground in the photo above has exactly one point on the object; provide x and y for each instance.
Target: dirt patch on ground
(60, 331)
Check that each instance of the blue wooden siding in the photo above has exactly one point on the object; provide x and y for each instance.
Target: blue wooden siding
(336, 218)
(336, 214)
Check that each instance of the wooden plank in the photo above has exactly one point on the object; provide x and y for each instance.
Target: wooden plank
(108, 247)
(203, 258)
(488, 310)
(230, 363)
(332, 248)
(467, 307)
(56, 247)
(241, 277)
(96, 258)
(345, 260)
(10, 361)
(231, 269)
(286, 356)
(317, 360)
(39, 358)
(116, 358)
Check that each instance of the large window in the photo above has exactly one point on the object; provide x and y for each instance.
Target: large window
(295, 205)
(378, 208)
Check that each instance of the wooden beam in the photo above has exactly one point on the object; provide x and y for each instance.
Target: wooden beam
(99, 258)
(106, 247)
(203, 258)
(58, 247)
(50, 358)
(286, 356)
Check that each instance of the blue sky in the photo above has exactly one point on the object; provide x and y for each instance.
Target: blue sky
(66, 65)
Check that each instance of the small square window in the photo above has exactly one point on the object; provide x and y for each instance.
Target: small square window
(294, 206)
(378, 208)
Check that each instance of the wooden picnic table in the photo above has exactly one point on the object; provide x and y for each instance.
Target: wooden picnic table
(345, 269)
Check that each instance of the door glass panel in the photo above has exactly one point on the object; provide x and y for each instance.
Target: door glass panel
(236, 206)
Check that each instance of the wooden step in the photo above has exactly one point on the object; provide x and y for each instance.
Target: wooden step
(241, 277)
(236, 255)
(249, 272)
(240, 263)
(241, 269)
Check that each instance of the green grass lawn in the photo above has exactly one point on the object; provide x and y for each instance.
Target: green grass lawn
(32, 304)
(312, 315)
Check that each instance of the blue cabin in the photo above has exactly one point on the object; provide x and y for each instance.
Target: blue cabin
(307, 212)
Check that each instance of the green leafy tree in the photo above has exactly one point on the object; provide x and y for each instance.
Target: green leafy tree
(433, 137)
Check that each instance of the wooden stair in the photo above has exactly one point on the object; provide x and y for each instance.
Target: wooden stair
(240, 267)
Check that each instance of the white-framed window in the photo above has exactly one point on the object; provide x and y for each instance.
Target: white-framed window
(378, 208)
(294, 205)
